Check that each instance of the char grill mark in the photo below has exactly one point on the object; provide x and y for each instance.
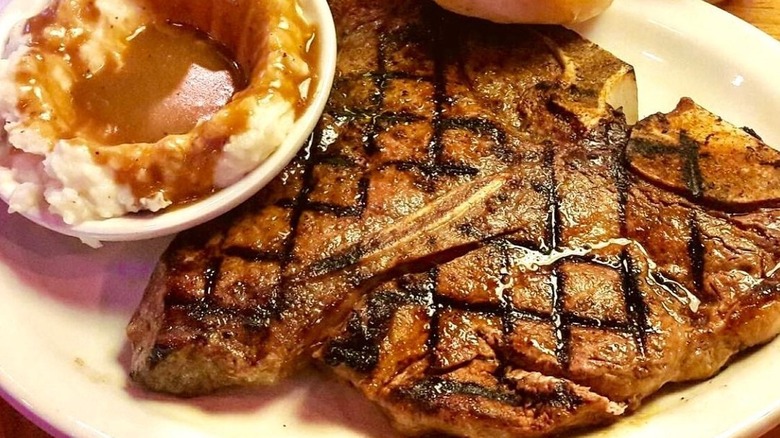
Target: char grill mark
(696, 255)
(433, 312)
(428, 394)
(436, 147)
(636, 307)
(262, 316)
(433, 165)
(691, 171)
(380, 82)
(554, 232)
(508, 313)
(342, 211)
(688, 154)
(479, 127)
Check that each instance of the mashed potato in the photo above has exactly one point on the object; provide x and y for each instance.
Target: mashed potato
(44, 165)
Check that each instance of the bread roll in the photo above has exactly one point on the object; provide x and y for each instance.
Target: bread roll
(528, 11)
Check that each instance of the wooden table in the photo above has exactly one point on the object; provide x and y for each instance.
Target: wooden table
(764, 14)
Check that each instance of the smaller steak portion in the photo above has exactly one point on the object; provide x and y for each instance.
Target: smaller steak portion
(659, 263)
(703, 158)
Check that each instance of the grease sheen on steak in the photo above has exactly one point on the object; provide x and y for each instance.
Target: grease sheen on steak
(522, 339)
(473, 240)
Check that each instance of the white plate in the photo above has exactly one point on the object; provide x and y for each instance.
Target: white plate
(63, 307)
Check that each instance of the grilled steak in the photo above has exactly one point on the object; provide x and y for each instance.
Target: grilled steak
(424, 102)
(657, 264)
(477, 240)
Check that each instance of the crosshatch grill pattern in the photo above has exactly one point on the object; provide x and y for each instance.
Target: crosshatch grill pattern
(335, 166)
(632, 321)
(344, 166)
(336, 161)
(559, 319)
(410, 112)
(346, 161)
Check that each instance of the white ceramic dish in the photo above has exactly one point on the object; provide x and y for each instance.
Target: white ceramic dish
(170, 221)
(63, 307)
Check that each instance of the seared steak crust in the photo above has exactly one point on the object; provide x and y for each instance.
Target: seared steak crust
(477, 241)
(416, 112)
(634, 287)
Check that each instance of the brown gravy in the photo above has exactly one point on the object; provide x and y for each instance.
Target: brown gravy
(168, 77)
(171, 78)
